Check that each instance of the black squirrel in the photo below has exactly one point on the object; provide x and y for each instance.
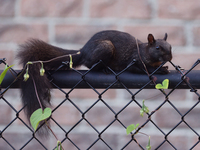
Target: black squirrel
(116, 49)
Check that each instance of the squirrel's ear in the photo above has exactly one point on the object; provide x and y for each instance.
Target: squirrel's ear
(165, 38)
(151, 39)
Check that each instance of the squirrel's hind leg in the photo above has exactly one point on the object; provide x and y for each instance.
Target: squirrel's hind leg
(104, 51)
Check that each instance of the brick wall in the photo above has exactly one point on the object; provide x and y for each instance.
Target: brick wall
(69, 24)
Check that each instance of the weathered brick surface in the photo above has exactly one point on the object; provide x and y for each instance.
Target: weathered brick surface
(85, 140)
(195, 140)
(176, 9)
(168, 118)
(20, 32)
(86, 94)
(5, 114)
(71, 115)
(103, 116)
(7, 8)
(143, 140)
(175, 33)
(177, 141)
(196, 33)
(17, 141)
(71, 23)
(51, 8)
(78, 34)
(120, 9)
(156, 95)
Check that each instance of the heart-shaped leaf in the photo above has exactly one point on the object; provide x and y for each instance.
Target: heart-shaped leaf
(39, 116)
(131, 127)
(4, 73)
(164, 85)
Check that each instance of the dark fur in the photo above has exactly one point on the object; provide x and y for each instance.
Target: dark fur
(116, 49)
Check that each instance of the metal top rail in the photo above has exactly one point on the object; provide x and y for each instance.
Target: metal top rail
(68, 79)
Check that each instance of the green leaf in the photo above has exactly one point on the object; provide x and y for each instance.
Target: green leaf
(141, 112)
(148, 146)
(131, 127)
(164, 85)
(136, 125)
(39, 116)
(4, 73)
(144, 109)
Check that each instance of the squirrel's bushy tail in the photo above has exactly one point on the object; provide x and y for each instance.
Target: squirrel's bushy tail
(36, 50)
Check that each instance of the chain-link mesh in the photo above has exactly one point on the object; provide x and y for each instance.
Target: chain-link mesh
(98, 122)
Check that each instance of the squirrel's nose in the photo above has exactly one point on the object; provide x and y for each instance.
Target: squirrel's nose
(168, 57)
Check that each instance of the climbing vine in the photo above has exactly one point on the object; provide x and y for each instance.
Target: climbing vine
(145, 109)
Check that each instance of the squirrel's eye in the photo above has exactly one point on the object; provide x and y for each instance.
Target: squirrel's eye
(158, 47)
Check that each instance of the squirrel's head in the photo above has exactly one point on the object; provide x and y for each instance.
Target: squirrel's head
(159, 50)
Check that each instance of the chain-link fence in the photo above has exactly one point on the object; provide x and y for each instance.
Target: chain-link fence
(99, 122)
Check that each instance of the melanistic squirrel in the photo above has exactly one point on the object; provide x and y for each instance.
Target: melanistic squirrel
(116, 49)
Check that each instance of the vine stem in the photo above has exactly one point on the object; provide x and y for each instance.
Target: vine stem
(36, 93)
(46, 61)
(142, 60)
(38, 62)
(141, 57)
(53, 133)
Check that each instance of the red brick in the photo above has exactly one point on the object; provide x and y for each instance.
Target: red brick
(180, 142)
(169, 117)
(84, 140)
(176, 9)
(7, 8)
(142, 139)
(86, 94)
(51, 8)
(152, 95)
(175, 33)
(196, 36)
(12, 93)
(113, 140)
(77, 34)
(124, 9)
(67, 115)
(19, 32)
(178, 95)
(23, 117)
(5, 114)
(192, 118)
(100, 116)
(19, 140)
(155, 141)
(195, 140)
